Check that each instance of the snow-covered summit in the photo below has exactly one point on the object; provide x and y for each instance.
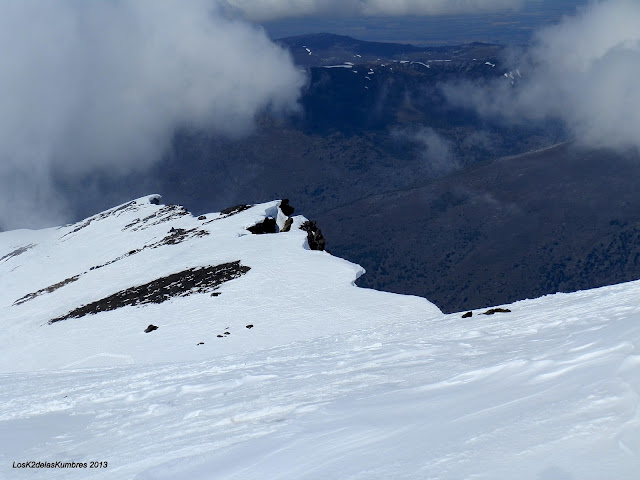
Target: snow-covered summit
(82, 295)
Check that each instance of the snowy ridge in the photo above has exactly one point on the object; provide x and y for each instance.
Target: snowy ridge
(288, 292)
(332, 381)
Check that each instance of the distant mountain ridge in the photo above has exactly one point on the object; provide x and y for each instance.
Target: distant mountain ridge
(320, 49)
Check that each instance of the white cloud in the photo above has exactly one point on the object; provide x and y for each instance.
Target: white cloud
(262, 10)
(582, 71)
(102, 84)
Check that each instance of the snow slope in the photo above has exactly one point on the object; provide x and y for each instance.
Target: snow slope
(290, 292)
(548, 391)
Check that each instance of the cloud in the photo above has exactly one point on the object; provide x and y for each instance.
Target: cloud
(103, 84)
(582, 71)
(436, 153)
(264, 10)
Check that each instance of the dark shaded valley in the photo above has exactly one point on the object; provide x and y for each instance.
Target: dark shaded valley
(431, 199)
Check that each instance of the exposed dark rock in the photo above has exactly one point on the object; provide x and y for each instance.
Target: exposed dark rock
(215, 294)
(220, 336)
(48, 289)
(268, 225)
(496, 310)
(201, 343)
(150, 328)
(127, 206)
(227, 333)
(249, 326)
(128, 254)
(165, 214)
(287, 225)
(285, 208)
(181, 284)
(177, 235)
(202, 217)
(154, 201)
(16, 252)
(467, 315)
(227, 212)
(314, 235)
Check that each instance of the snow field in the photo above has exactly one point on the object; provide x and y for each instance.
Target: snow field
(549, 391)
(332, 381)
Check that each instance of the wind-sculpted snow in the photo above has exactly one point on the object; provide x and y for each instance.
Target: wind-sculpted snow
(548, 391)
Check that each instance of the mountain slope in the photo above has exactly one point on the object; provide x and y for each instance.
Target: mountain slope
(547, 391)
(559, 219)
(83, 294)
(331, 381)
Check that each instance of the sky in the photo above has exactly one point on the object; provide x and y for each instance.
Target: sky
(102, 86)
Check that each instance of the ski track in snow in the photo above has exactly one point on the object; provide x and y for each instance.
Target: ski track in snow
(552, 388)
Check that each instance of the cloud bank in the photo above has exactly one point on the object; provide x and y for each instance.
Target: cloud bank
(583, 71)
(103, 84)
(264, 10)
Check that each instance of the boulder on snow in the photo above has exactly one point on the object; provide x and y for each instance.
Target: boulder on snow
(268, 225)
(150, 328)
(286, 209)
(315, 239)
(496, 310)
(287, 225)
(467, 315)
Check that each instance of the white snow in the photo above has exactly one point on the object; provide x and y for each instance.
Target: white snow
(490, 64)
(290, 293)
(338, 66)
(420, 63)
(333, 381)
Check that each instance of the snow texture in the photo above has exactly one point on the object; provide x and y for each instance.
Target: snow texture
(330, 381)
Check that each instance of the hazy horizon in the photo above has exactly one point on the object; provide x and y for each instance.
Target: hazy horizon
(508, 27)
